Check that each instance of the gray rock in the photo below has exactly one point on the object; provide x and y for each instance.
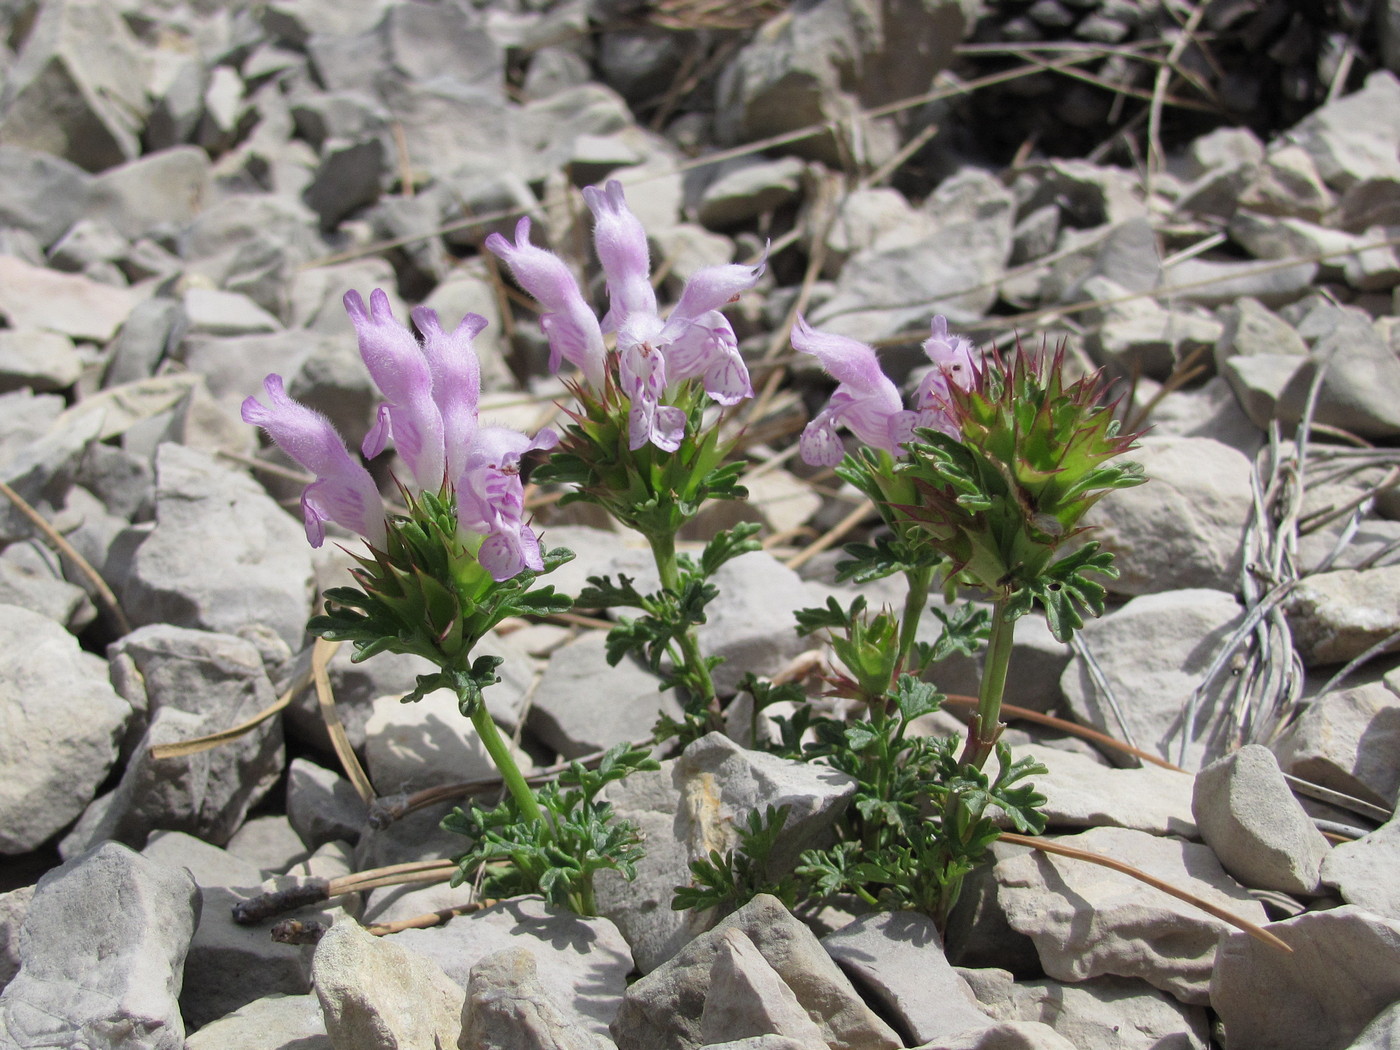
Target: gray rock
(1259, 381)
(1343, 971)
(251, 243)
(1383, 1033)
(426, 743)
(557, 68)
(898, 958)
(1336, 616)
(188, 684)
(747, 998)
(27, 417)
(584, 962)
(29, 579)
(322, 805)
(827, 61)
(953, 272)
(1249, 817)
(721, 783)
(62, 722)
(582, 705)
(77, 88)
(262, 576)
(178, 104)
(509, 1008)
(1091, 195)
(14, 906)
(92, 247)
(1081, 793)
(40, 193)
(1363, 871)
(663, 1010)
(1087, 920)
(1005, 1035)
(641, 909)
(32, 297)
(869, 218)
(1210, 410)
(268, 843)
(277, 1022)
(349, 178)
(355, 687)
(1346, 740)
(102, 955)
(213, 312)
(1288, 183)
(1138, 335)
(230, 965)
(1356, 136)
(1103, 1013)
(1153, 652)
(742, 190)
(151, 330)
(1249, 328)
(158, 193)
(376, 995)
(1362, 385)
(750, 623)
(549, 130)
(1214, 283)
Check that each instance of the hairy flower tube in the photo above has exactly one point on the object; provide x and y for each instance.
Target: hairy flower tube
(653, 354)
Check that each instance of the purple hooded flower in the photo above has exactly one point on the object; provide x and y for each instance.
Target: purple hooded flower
(399, 368)
(569, 324)
(695, 341)
(953, 366)
(865, 400)
(491, 500)
(456, 378)
(343, 491)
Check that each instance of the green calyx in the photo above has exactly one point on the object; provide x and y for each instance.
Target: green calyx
(647, 489)
(425, 593)
(1006, 498)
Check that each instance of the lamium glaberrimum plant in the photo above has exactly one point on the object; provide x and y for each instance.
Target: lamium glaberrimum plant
(435, 579)
(982, 485)
(643, 443)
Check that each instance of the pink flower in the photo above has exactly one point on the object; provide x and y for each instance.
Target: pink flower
(569, 324)
(865, 401)
(491, 500)
(398, 367)
(343, 491)
(695, 341)
(953, 366)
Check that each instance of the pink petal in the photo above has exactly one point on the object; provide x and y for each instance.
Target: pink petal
(572, 327)
(621, 244)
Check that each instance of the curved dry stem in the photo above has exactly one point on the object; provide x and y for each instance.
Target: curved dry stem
(1255, 931)
(105, 595)
(321, 653)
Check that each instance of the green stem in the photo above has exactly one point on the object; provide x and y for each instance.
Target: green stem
(663, 550)
(915, 602)
(986, 725)
(499, 751)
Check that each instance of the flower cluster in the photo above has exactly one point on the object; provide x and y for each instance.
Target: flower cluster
(653, 354)
(432, 391)
(869, 405)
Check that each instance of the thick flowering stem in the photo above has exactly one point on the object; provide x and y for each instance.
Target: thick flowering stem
(663, 550)
(986, 726)
(500, 754)
(915, 600)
